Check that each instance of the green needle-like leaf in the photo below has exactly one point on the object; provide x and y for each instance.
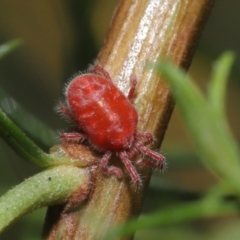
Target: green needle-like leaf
(8, 47)
(31, 125)
(21, 143)
(217, 86)
(176, 214)
(210, 132)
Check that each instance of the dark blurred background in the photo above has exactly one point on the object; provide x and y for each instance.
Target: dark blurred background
(62, 38)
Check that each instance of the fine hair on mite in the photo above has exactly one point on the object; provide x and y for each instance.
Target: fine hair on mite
(106, 120)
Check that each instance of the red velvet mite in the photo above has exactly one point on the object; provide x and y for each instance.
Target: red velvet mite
(107, 120)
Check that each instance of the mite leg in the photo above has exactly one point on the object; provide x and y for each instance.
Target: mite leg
(130, 169)
(98, 69)
(133, 84)
(132, 152)
(73, 137)
(147, 136)
(152, 154)
(146, 162)
(109, 170)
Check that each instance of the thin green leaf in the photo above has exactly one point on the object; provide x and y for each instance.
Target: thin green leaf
(8, 47)
(32, 126)
(177, 214)
(21, 143)
(210, 133)
(217, 86)
(29, 151)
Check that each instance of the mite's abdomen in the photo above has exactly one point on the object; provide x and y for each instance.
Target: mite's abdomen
(102, 112)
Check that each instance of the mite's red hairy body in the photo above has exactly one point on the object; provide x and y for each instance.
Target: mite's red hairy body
(100, 109)
(108, 121)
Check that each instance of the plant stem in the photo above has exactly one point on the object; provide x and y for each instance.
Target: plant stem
(43, 189)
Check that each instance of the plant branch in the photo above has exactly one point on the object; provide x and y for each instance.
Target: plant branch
(43, 189)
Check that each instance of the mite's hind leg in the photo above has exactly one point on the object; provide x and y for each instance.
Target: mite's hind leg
(133, 85)
(109, 170)
(98, 69)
